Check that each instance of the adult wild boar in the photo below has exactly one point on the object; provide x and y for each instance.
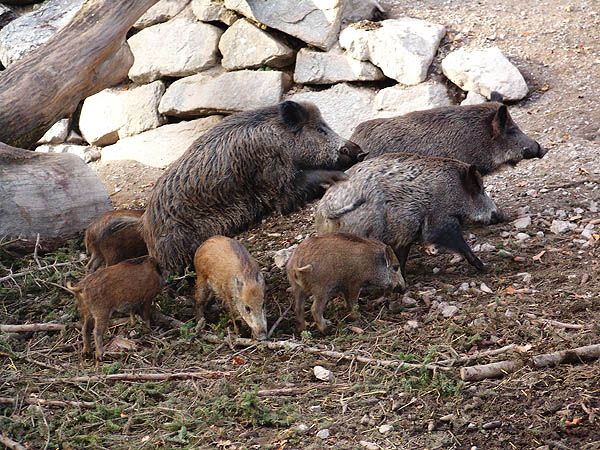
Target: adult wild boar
(483, 135)
(250, 165)
(401, 198)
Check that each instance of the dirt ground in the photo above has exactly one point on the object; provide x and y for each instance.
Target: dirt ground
(541, 294)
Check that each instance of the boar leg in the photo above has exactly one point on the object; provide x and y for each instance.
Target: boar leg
(146, 313)
(450, 236)
(100, 325)
(202, 295)
(317, 309)
(299, 301)
(88, 325)
(402, 255)
(351, 297)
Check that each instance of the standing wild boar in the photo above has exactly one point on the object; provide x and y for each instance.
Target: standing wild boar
(248, 166)
(400, 198)
(129, 286)
(339, 264)
(114, 237)
(225, 267)
(483, 135)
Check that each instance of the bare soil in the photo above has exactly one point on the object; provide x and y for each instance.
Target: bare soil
(545, 277)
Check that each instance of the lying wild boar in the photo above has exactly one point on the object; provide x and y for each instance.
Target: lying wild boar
(483, 135)
(339, 264)
(114, 237)
(225, 267)
(129, 286)
(400, 198)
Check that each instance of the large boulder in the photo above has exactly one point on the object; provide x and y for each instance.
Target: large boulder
(357, 10)
(176, 48)
(315, 67)
(483, 71)
(88, 153)
(402, 48)
(398, 100)
(316, 22)
(343, 106)
(201, 94)
(161, 146)
(57, 134)
(115, 113)
(31, 30)
(213, 11)
(245, 46)
(161, 12)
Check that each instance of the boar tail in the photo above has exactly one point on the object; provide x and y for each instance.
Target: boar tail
(345, 209)
(71, 288)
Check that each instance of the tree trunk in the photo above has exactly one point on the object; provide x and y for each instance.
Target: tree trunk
(54, 194)
(86, 56)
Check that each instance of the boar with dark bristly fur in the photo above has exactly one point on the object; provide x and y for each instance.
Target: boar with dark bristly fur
(401, 198)
(339, 264)
(225, 267)
(250, 165)
(129, 286)
(114, 237)
(483, 135)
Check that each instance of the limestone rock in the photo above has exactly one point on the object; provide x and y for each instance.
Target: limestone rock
(176, 48)
(357, 10)
(562, 226)
(402, 48)
(398, 100)
(161, 146)
(213, 11)
(118, 112)
(314, 67)
(161, 12)
(88, 153)
(316, 22)
(57, 134)
(31, 30)
(522, 222)
(473, 98)
(230, 92)
(245, 46)
(343, 106)
(483, 71)
(7, 15)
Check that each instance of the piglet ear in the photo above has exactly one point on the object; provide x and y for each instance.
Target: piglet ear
(471, 180)
(500, 121)
(293, 114)
(496, 97)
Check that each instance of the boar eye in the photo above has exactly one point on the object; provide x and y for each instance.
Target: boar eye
(322, 130)
(248, 309)
(396, 267)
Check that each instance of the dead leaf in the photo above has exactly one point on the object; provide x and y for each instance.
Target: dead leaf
(573, 423)
(357, 330)
(510, 290)
(238, 361)
(119, 344)
(538, 257)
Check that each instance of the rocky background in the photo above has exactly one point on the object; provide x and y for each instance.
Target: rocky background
(198, 60)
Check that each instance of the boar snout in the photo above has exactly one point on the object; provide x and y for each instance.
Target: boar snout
(350, 154)
(534, 151)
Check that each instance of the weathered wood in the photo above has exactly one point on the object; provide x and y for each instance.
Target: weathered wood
(55, 195)
(83, 58)
(30, 327)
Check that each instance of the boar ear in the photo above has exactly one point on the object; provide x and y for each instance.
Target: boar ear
(238, 284)
(389, 256)
(496, 97)
(293, 114)
(471, 180)
(308, 268)
(500, 121)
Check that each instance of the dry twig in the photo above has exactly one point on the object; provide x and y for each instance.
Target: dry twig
(30, 327)
(299, 390)
(204, 374)
(42, 402)
(9, 443)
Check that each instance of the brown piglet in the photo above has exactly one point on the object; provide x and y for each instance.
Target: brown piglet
(129, 286)
(339, 264)
(225, 267)
(114, 237)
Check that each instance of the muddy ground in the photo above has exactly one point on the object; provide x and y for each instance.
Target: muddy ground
(533, 287)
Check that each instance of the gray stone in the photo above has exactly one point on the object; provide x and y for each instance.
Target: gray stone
(161, 12)
(398, 99)
(31, 30)
(402, 48)
(176, 48)
(161, 146)
(357, 10)
(314, 22)
(483, 71)
(118, 112)
(314, 67)
(522, 222)
(230, 92)
(343, 106)
(323, 434)
(523, 237)
(384, 429)
(245, 46)
(561, 226)
(7, 15)
(213, 11)
(88, 153)
(473, 98)
(57, 134)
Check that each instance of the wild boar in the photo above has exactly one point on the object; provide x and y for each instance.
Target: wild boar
(339, 264)
(129, 286)
(250, 165)
(224, 266)
(401, 198)
(483, 135)
(114, 237)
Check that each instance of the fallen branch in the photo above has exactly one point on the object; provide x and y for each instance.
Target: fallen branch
(42, 402)
(9, 443)
(278, 321)
(31, 327)
(299, 390)
(204, 374)
(478, 355)
(556, 323)
(498, 369)
(29, 272)
(291, 345)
